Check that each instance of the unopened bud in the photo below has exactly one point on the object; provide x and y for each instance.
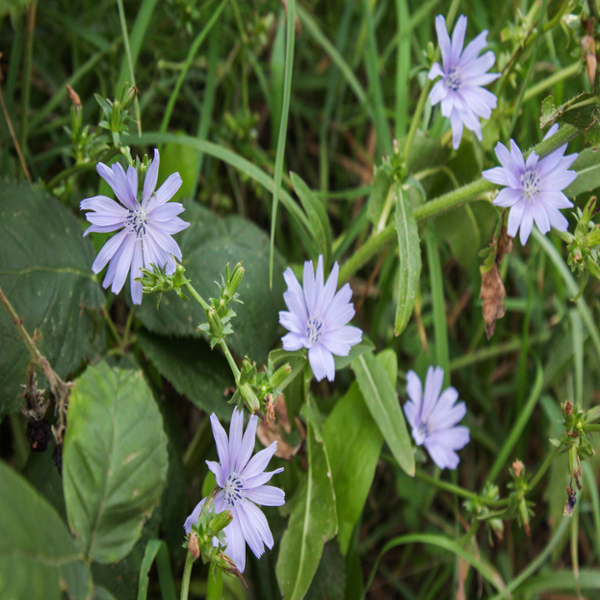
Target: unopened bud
(193, 547)
(593, 238)
(219, 522)
(568, 408)
(517, 468)
(250, 399)
(214, 322)
(74, 97)
(280, 376)
(129, 97)
(234, 280)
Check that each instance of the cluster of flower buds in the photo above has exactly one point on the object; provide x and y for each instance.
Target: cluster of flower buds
(584, 246)
(201, 540)
(520, 487)
(158, 281)
(480, 508)
(116, 113)
(257, 389)
(219, 312)
(575, 439)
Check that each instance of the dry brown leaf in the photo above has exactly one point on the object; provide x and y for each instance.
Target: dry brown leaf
(277, 432)
(492, 294)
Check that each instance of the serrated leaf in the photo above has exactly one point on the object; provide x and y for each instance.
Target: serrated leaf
(581, 111)
(317, 217)
(587, 166)
(409, 247)
(200, 374)
(38, 558)
(45, 271)
(382, 401)
(114, 460)
(313, 522)
(207, 246)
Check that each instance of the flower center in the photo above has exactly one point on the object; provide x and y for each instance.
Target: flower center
(233, 490)
(424, 429)
(136, 222)
(314, 329)
(454, 80)
(530, 181)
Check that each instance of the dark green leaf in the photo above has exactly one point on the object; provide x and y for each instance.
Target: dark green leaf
(379, 193)
(194, 370)
(45, 271)
(208, 245)
(330, 579)
(409, 247)
(38, 558)
(114, 462)
(587, 166)
(313, 521)
(581, 111)
(382, 401)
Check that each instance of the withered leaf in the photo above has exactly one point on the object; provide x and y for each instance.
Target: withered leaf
(278, 432)
(492, 294)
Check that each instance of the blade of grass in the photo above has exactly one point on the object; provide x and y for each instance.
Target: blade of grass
(590, 478)
(520, 424)
(402, 69)
(384, 140)
(285, 108)
(136, 104)
(188, 63)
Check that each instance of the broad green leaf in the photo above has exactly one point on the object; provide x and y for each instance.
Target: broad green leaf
(409, 247)
(45, 271)
(587, 165)
(320, 227)
(382, 402)
(382, 183)
(194, 370)
(173, 160)
(581, 111)
(353, 443)
(313, 522)
(330, 579)
(365, 345)
(101, 593)
(208, 245)
(114, 461)
(38, 558)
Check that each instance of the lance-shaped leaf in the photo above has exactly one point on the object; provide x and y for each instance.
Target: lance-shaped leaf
(38, 558)
(114, 462)
(409, 247)
(587, 166)
(382, 401)
(313, 522)
(320, 228)
(379, 193)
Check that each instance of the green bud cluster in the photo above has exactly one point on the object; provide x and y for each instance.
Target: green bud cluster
(517, 501)
(480, 509)
(158, 282)
(575, 439)
(116, 113)
(584, 246)
(219, 312)
(256, 388)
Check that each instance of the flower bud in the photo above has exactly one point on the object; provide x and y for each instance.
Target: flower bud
(129, 97)
(280, 376)
(233, 281)
(250, 399)
(219, 522)
(193, 547)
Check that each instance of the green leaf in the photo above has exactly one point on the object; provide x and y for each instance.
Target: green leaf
(587, 165)
(353, 442)
(114, 462)
(38, 558)
(313, 522)
(101, 593)
(379, 193)
(156, 549)
(382, 401)
(409, 247)
(581, 111)
(330, 579)
(51, 291)
(208, 245)
(200, 374)
(365, 345)
(320, 227)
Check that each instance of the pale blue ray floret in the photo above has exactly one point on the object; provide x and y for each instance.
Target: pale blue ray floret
(242, 481)
(317, 318)
(463, 73)
(146, 226)
(434, 415)
(533, 188)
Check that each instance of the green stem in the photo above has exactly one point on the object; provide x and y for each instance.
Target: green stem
(112, 327)
(214, 583)
(187, 573)
(232, 365)
(543, 468)
(468, 193)
(539, 87)
(196, 296)
(414, 124)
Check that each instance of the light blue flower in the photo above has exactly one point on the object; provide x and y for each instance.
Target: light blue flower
(464, 72)
(146, 226)
(241, 479)
(433, 417)
(533, 188)
(317, 318)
